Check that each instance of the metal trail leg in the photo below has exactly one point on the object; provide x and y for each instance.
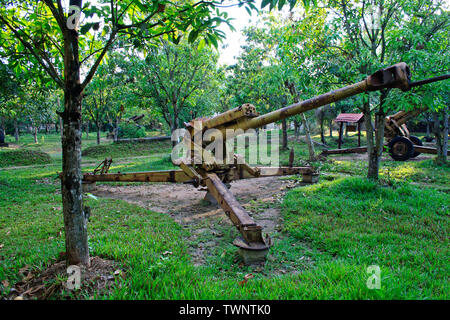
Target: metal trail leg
(252, 246)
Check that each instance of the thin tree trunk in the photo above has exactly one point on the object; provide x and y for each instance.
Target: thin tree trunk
(441, 134)
(87, 130)
(322, 129)
(98, 132)
(35, 134)
(331, 128)
(116, 130)
(370, 145)
(284, 145)
(309, 142)
(375, 149)
(75, 220)
(296, 128)
(16, 131)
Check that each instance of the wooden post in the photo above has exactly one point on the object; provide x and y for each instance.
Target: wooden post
(341, 124)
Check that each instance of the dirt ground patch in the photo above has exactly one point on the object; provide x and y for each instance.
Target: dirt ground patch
(186, 203)
(53, 280)
(187, 206)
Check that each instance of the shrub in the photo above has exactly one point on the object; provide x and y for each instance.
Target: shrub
(128, 130)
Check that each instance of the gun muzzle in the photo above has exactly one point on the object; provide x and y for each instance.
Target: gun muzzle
(396, 76)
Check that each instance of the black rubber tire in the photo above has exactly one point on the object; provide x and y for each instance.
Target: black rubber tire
(401, 148)
(415, 140)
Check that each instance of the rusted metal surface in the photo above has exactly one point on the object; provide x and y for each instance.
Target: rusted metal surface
(344, 151)
(148, 176)
(180, 176)
(423, 149)
(417, 148)
(251, 232)
(103, 167)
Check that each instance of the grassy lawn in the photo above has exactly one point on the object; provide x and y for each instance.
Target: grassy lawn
(331, 232)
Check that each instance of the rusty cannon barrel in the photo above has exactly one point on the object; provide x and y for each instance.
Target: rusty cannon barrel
(396, 76)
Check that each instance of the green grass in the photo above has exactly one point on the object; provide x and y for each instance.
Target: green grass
(23, 157)
(331, 232)
(125, 150)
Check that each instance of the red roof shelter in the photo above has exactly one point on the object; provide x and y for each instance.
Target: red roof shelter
(350, 119)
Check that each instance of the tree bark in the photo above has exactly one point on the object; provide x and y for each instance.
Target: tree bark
(309, 142)
(284, 145)
(296, 128)
(322, 129)
(61, 127)
(116, 130)
(375, 148)
(87, 129)
(35, 129)
(370, 145)
(16, 131)
(75, 220)
(331, 128)
(98, 132)
(441, 135)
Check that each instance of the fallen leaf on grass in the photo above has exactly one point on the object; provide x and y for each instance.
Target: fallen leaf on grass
(5, 283)
(1, 246)
(18, 298)
(246, 278)
(119, 273)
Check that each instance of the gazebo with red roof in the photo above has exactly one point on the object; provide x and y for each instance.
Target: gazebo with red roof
(352, 119)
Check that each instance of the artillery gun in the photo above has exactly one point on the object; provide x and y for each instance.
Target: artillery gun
(214, 168)
(401, 144)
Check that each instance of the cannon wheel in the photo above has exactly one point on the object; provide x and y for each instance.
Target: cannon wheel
(401, 148)
(415, 140)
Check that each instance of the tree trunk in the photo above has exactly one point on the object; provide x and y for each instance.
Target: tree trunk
(296, 128)
(284, 145)
(331, 128)
(375, 148)
(116, 130)
(16, 131)
(35, 129)
(322, 129)
(75, 221)
(309, 142)
(87, 129)
(370, 146)
(441, 134)
(98, 132)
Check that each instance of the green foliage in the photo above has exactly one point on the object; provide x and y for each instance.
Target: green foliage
(23, 157)
(176, 82)
(130, 130)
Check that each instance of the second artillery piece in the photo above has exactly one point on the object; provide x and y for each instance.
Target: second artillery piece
(203, 167)
(401, 145)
